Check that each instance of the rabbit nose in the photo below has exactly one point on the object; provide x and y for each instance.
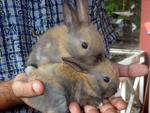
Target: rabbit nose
(110, 92)
(100, 56)
(92, 60)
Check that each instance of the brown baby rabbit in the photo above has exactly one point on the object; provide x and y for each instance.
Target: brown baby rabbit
(76, 39)
(64, 84)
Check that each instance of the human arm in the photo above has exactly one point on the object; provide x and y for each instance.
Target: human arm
(12, 91)
(7, 98)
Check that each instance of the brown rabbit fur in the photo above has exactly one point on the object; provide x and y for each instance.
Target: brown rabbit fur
(64, 84)
(77, 39)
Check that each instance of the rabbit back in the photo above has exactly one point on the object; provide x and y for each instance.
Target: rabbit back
(49, 47)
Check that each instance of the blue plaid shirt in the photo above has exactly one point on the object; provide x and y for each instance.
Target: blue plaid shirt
(19, 19)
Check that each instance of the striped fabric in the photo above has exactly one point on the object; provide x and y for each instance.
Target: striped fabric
(19, 19)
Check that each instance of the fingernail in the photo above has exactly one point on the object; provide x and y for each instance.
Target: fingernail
(38, 87)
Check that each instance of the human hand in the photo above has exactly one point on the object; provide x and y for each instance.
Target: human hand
(110, 106)
(133, 70)
(115, 103)
(23, 89)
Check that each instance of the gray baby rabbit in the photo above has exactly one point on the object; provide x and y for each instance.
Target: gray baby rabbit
(76, 39)
(64, 84)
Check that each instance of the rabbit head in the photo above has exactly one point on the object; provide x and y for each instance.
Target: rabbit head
(82, 40)
(76, 39)
(103, 77)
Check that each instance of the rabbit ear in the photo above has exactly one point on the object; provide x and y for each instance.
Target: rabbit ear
(82, 8)
(76, 64)
(70, 16)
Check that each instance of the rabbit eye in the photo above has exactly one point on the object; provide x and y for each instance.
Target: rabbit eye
(84, 45)
(106, 79)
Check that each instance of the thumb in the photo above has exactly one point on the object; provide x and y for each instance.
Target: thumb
(22, 88)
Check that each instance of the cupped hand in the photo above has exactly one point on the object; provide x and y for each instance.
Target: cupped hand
(109, 106)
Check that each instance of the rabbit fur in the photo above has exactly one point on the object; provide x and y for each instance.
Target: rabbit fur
(64, 84)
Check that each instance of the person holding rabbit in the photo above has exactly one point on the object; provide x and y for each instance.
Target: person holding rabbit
(20, 20)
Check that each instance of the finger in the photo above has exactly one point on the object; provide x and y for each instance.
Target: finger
(107, 108)
(133, 70)
(74, 107)
(118, 102)
(138, 70)
(90, 109)
(27, 89)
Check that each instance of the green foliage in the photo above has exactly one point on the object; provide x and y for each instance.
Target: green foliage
(117, 5)
(113, 5)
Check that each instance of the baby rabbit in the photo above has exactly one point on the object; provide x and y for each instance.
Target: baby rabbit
(76, 39)
(64, 84)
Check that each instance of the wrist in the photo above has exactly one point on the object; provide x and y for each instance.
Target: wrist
(7, 97)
